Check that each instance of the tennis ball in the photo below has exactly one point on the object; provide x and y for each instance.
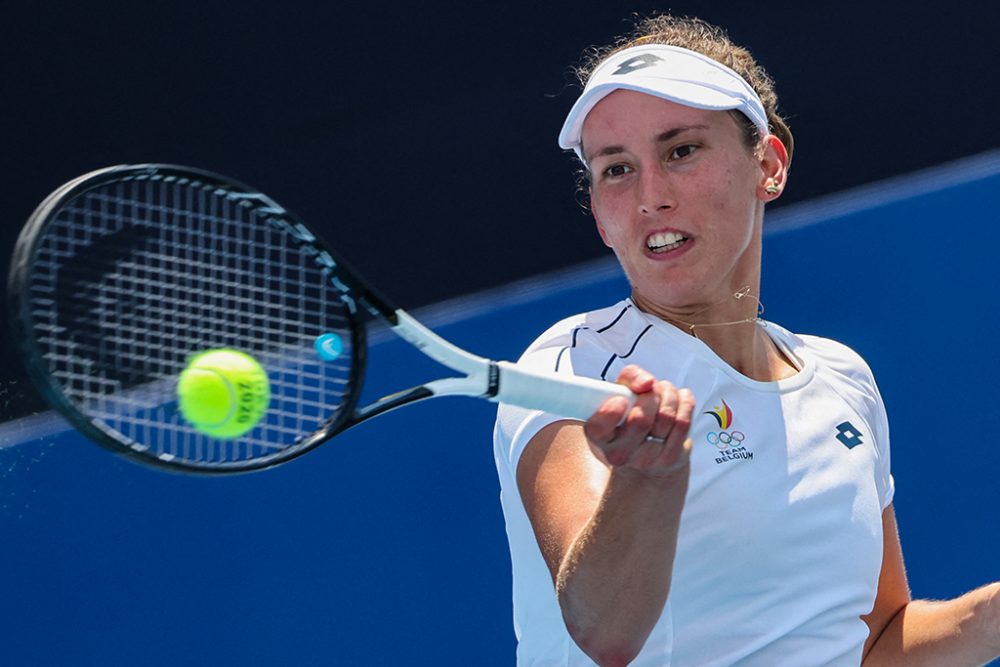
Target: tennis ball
(223, 393)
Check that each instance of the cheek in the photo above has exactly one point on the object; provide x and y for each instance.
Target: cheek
(729, 195)
(607, 215)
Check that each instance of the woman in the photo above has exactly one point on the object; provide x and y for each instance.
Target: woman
(756, 528)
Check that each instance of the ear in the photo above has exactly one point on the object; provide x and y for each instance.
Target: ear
(774, 169)
(597, 220)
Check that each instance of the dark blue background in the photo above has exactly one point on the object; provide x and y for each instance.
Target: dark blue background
(420, 138)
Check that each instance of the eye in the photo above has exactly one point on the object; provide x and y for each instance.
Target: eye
(682, 152)
(617, 171)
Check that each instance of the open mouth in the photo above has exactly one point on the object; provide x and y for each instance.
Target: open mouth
(665, 241)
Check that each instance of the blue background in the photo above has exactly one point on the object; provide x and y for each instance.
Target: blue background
(386, 546)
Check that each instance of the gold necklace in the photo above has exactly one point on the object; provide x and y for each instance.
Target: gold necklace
(742, 293)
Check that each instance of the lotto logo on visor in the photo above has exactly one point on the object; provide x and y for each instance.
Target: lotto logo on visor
(638, 62)
(668, 72)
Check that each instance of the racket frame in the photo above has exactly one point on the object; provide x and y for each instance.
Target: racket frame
(22, 322)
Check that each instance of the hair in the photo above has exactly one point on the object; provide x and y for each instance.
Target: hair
(709, 40)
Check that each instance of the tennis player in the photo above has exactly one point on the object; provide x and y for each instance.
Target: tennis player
(755, 527)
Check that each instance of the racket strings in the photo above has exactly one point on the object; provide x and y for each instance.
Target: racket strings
(133, 278)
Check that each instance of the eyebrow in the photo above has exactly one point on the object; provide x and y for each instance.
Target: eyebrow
(663, 137)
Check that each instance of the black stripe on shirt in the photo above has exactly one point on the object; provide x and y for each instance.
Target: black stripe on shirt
(615, 321)
(635, 343)
(601, 330)
(566, 347)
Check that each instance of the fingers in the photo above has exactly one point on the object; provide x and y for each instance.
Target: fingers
(674, 417)
(616, 427)
(677, 444)
(602, 427)
(652, 434)
(635, 378)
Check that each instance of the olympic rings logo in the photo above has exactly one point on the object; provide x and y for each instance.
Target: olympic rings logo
(723, 439)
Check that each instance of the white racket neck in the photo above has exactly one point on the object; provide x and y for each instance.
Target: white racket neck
(437, 348)
(566, 395)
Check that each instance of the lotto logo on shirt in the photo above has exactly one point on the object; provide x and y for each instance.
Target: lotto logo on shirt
(729, 441)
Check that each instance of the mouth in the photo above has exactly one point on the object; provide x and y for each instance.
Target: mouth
(665, 241)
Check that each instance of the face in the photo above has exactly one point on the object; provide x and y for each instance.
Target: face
(678, 196)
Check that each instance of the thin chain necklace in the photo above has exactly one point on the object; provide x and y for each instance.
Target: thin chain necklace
(740, 294)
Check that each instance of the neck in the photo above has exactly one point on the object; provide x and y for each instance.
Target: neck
(747, 348)
(732, 328)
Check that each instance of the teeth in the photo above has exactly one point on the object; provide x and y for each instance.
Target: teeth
(664, 241)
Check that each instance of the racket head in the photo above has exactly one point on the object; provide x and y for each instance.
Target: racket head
(122, 275)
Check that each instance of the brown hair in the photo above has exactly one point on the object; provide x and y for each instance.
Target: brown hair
(697, 35)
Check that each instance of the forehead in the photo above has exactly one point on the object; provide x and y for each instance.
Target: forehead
(630, 114)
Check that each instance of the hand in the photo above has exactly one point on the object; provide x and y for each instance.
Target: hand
(651, 437)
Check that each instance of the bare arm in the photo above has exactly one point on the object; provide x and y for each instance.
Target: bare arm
(963, 631)
(605, 504)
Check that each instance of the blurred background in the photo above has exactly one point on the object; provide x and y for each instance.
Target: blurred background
(419, 138)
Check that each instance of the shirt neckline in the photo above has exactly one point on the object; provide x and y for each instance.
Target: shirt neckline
(789, 344)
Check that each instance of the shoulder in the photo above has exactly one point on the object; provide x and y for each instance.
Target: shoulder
(602, 328)
(839, 357)
(832, 358)
(579, 345)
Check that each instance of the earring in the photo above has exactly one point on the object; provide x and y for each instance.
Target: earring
(772, 187)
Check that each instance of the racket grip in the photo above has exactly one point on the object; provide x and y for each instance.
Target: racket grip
(565, 395)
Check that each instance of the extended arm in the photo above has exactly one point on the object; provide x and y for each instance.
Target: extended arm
(962, 631)
(605, 504)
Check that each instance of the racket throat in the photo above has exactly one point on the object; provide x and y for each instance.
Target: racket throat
(392, 402)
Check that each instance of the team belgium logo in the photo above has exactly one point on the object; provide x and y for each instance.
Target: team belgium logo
(727, 440)
(723, 415)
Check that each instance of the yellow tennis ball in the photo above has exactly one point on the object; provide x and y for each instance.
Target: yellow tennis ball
(223, 393)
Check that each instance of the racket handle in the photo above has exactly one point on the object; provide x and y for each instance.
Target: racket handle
(565, 395)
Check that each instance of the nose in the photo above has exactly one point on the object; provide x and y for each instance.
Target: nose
(655, 192)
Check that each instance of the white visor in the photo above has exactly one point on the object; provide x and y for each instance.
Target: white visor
(668, 72)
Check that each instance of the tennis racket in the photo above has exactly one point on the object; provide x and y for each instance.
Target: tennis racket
(123, 274)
